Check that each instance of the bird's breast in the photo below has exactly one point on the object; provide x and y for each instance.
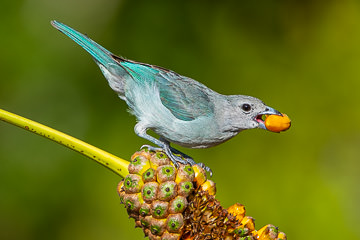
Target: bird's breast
(200, 133)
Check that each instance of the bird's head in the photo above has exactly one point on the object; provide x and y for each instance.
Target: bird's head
(249, 112)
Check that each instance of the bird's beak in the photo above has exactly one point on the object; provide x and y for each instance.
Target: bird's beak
(268, 111)
(271, 111)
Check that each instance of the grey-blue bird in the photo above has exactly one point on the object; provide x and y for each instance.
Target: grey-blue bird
(177, 108)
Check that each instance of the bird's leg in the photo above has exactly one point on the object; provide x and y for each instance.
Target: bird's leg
(140, 130)
(164, 145)
(189, 159)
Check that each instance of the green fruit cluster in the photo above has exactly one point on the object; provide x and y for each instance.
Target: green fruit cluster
(172, 203)
(155, 193)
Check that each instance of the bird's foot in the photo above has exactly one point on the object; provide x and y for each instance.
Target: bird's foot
(191, 161)
(177, 157)
(206, 168)
(184, 156)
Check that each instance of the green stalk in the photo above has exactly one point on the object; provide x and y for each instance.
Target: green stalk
(112, 162)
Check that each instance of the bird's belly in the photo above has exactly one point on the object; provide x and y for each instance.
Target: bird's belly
(202, 132)
(194, 135)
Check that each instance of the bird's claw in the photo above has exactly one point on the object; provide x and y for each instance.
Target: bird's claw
(206, 168)
(151, 148)
(173, 158)
(178, 157)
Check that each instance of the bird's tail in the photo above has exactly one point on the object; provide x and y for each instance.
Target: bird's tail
(113, 71)
(99, 53)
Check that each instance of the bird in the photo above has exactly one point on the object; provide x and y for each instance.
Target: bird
(178, 109)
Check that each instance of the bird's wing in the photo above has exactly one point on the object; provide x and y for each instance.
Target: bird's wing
(186, 98)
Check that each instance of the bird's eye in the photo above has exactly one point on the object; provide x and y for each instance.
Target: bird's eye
(246, 107)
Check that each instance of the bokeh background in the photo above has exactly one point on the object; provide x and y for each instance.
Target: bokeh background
(300, 57)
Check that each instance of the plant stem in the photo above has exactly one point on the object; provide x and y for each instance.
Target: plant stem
(115, 164)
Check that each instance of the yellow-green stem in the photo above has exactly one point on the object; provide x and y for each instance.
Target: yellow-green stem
(116, 164)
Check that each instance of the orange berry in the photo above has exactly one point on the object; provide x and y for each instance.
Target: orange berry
(276, 123)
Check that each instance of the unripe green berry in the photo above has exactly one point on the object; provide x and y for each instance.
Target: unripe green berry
(167, 191)
(185, 188)
(150, 191)
(133, 202)
(144, 210)
(165, 173)
(133, 183)
(175, 222)
(178, 204)
(149, 175)
(139, 165)
(157, 226)
(185, 173)
(159, 209)
(145, 221)
(159, 159)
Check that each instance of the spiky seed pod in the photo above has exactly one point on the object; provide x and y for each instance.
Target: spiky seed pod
(205, 218)
(171, 203)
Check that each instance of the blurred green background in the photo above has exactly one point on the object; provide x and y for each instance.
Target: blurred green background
(300, 57)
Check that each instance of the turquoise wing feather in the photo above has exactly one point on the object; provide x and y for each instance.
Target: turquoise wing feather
(184, 102)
